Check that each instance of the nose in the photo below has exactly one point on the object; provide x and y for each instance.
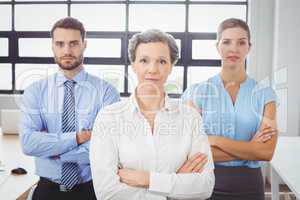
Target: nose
(66, 49)
(234, 47)
(153, 68)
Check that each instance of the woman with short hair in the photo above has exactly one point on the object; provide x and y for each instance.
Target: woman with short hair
(140, 146)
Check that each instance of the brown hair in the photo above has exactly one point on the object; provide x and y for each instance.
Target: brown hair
(233, 23)
(69, 23)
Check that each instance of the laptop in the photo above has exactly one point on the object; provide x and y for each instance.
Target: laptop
(10, 121)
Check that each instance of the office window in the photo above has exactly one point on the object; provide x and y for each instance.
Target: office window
(35, 47)
(5, 22)
(100, 17)
(4, 47)
(204, 49)
(200, 74)
(175, 80)
(26, 74)
(206, 18)
(38, 17)
(5, 77)
(165, 17)
(26, 43)
(103, 48)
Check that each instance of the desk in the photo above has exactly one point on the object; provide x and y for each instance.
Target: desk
(286, 165)
(11, 155)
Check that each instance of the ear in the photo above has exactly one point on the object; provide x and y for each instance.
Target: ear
(250, 47)
(217, 47)
(84, 44)
(52, 46)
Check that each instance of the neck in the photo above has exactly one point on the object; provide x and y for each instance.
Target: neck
(234, 76)
(70, 74)
(150, 100)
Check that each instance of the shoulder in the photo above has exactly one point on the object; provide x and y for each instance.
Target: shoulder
(262, 87)
(97, 81)
(101, 85)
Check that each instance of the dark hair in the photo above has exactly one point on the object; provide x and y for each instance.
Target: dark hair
(69, 23)
(153, 35)
(233, 23)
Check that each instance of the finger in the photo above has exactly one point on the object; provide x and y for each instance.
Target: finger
(270, 130)
(199, 168)
(192, 159)
(197, 161)
(266, 138)
(267, 135)
(264, 130)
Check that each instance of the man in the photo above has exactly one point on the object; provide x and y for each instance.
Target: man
(57, 117)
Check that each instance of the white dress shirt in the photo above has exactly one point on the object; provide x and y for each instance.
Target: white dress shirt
(122, 137)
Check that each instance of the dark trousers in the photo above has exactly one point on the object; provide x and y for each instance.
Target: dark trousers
(48, 190)
(238, 183)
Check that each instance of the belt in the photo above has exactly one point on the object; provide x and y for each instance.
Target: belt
(61, 187)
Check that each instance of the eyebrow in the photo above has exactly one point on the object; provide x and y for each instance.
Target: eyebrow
(244, 38)
(61, 41)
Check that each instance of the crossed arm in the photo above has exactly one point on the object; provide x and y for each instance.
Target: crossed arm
(37, 141)
(261, 147)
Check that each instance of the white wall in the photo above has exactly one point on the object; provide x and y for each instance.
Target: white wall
(261, 22)
(287, 63)
(275, 28)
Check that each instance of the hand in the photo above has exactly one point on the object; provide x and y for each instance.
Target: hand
(264, 134)
(83, 136)
(195, 164)
(134, 178)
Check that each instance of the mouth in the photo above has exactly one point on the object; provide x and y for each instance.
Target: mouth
(152, 79)
(233, 58)
(67, 58)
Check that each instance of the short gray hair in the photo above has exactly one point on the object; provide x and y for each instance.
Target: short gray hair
(153, 35)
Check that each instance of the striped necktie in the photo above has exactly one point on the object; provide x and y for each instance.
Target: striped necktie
(70, 171)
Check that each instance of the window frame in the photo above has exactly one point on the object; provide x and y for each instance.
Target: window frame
(185, 37)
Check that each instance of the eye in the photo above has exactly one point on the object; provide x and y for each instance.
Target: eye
(163, 62)
(59, 44)
(226, 42)
(143, 60)
(74, 43)
(242, 43)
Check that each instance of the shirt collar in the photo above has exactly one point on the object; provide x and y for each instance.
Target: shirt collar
(169, 104)
(79, 78)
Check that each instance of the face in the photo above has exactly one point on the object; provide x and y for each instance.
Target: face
(233, 48)
(152, 65)
(68, 48)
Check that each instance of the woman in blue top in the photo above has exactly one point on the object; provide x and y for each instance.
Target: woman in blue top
(239, 117)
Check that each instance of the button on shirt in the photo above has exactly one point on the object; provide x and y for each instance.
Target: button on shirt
(122, 137)
(239, 121)
(41, 122)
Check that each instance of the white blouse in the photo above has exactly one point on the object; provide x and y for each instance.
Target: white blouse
(122, 137)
